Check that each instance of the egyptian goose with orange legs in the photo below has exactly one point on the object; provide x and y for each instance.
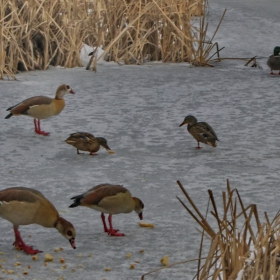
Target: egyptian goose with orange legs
(109, 199)
(85, 141)
(41, 107)
(25, 206)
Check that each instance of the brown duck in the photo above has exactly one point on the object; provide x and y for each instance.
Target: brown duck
(84, 141)
(201, 131)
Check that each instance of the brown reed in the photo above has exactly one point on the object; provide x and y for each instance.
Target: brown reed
(241, 247)
(37, 33)
(156, 30)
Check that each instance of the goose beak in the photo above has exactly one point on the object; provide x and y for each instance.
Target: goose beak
(140, 216)
(72, 242)
(72, 91)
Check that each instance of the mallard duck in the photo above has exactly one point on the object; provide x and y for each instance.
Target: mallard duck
(25, 206)
(201, 131)
(109, 199)
(87, 142)
(273, 61)
(41, 107)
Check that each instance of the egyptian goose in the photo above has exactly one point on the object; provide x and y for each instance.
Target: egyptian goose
(87, 142)
(25, 206)
(41, 107)
(109, 199)
(201, 131)
(273, 61)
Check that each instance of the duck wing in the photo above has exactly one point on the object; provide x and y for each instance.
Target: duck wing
(203, 132)
(81, 136)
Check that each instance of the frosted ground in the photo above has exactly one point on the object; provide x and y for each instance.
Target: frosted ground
(139, 109)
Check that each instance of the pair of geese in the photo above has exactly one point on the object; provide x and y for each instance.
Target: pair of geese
(23, 206)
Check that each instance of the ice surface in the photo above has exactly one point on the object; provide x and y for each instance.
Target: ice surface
(138, 109)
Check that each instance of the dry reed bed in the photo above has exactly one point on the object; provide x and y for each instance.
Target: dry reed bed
(139, 30)
(159, 29)
(37, 33)
(240, 246)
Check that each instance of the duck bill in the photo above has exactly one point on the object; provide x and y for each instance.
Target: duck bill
(72, 242)
(140, 216)
(182, 124)
(107, 147)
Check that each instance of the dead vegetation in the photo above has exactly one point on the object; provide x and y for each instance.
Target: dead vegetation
(37, 33)
(241, 247)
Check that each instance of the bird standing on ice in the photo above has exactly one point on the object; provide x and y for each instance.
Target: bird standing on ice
(25, 206)
(201, 131)
(41, 107)
(109, 199)
(85, 141)
(273, 61)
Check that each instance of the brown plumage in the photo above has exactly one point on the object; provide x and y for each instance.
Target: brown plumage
(201, 131)
(84, 141)
(41, 107)
(25, 206)
(109, 199)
